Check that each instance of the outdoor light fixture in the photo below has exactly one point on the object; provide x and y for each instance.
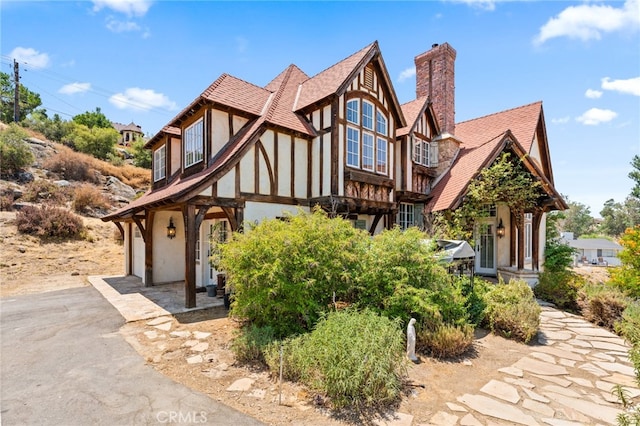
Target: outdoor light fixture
(500, 229)
(171, 229)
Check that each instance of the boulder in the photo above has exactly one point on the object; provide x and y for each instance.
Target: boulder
(119, 189)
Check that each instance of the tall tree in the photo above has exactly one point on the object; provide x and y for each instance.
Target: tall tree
(29, 101)
(635, 175)
(578, 219)
(93, 119)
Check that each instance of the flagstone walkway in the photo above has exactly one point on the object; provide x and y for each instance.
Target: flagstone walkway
(566, 380)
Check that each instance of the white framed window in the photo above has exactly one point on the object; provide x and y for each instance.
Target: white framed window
(353, 111)
(160, 163)
(406, 216)
(528, 217)
(368, 145)
(193, 142)
(381, 156)
(421, 152)
(367, 151)
(353, 147)
(381, 123)
(367, 115)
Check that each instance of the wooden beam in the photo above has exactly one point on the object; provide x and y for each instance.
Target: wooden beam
(521, 243)
(374, 223)
(230, 215)
(148, 249)
(119, 226)
(512, 240)
(535, 240)
(192, 222)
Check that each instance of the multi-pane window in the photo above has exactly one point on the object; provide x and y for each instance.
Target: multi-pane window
(367, 151)
(353, 111)
(367, 137)
(527, 235)
(381, 123)
(381, 156)
(421, 152)
(159, 163)
(193, 141)
(367, 115)
(406, 216)
(353, 147)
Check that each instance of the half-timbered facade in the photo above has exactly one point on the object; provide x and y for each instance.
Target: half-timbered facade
(240, 153)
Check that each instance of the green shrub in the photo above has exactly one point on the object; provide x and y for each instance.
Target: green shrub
(629, 324)
(250, 343)
(15, 153)
(446, 341)
(96, 141)
(602, 304)
(475, 293)
(627, 276)
(87, 197)
(44, 191)
(285, 273)
(512, 310)
(560, 288)
(355, 358)
(71, 166)
(49, 222)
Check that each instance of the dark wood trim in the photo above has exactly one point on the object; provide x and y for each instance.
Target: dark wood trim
(535, 240)
(374, 223)
(292, 161)
(256, 167)
(412, 197)
(237, 179)
(231, 129)
(148, 248)
(421, 169)
(192, 222)
(272, 185)
(321, 158)
(141, 227)
(246, 196)
(512, 240)
(208, 136)
(276, 174)
(366, 177)
(335, 147)
(120, 228)
(231, 215)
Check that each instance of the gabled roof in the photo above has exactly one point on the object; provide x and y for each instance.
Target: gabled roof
(522, 121)
(166, 130)
(328, 82)
(594, 244)
(412, 112)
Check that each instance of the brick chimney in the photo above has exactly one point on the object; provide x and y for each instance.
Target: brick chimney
(435, 78)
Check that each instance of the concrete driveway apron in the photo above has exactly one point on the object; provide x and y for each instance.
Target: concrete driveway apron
(64, 363)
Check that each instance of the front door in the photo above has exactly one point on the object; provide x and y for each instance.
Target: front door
(486, 248)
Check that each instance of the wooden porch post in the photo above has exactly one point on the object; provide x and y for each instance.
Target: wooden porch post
(512, 240)
(535, 240)
(148, 249)
(189, 214)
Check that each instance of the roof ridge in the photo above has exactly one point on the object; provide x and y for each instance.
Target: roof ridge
(501, 112)
(278, 93)
(367, 47)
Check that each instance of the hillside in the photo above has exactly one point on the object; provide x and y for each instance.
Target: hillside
(29, 264)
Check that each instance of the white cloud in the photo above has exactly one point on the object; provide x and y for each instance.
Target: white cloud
(406, 74)
(630, 86)
(479, 4)
(590, 21)
(73, 88)
(30, 56)
(122, 26)
(561, 120)
(138, 99)
(128, 7)
(595, 116)
(593, 94)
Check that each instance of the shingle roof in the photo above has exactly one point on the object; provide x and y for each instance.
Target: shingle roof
(236, 93)
(480, 138)
(522, 121)
(329, 81)
(411, 111)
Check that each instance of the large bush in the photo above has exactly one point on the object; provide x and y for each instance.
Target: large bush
(87, 197)
(357, 359)
(49, 222)
(627, 276)
(285, 273)
(71, 165)
(445, 341)
(512, 310)
(602, 304)
(44, 191)
(15, 154)
(560, 288)
(96, 141)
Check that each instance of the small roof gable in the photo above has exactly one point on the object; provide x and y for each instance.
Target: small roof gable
(448, 191)
(233, 92)
(412, 112)
(522, 121)
(166, 130)
(329, 81)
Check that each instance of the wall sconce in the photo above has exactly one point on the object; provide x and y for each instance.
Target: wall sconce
(500, 229)
(171, 229)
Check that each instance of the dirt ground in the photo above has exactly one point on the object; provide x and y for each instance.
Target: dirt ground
(172, 347)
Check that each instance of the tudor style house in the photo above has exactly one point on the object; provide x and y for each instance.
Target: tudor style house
(241, 153)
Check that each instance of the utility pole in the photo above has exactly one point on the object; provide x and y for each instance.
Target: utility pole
(16, 93)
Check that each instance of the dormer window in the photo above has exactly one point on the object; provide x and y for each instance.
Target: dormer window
(367, 143)
(193, 142)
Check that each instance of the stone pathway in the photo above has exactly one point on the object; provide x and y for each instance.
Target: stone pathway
(565, 381)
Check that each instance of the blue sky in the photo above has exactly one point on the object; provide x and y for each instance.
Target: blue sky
(143, 61)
